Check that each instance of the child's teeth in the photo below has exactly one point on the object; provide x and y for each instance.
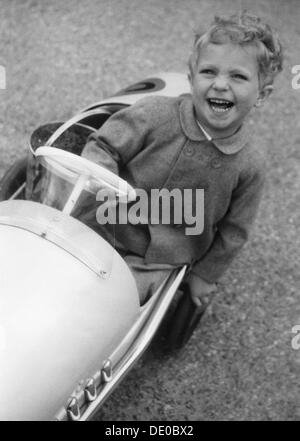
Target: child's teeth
(219, 109)
(220, 106)
(220, 101)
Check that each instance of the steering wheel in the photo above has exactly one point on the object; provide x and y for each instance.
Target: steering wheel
(81, 171)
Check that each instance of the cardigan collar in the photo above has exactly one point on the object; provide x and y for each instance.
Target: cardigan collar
(230, 145)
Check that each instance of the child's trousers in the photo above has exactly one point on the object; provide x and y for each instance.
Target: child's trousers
(149, 276)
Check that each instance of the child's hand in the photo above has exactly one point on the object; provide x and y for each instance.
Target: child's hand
(201, 291)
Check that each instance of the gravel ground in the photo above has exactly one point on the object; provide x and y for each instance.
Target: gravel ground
(61, 56)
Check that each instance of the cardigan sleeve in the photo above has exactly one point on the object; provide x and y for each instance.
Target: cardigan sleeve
(120, 138)
(233, 230)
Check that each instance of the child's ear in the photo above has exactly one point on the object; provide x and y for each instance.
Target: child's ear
(264, 93)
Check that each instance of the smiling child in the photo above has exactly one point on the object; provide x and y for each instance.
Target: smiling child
(196, 141)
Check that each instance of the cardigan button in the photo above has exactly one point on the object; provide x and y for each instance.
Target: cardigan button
(189, 151)
(215, 163)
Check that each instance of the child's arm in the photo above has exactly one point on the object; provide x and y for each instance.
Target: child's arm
(120, 138)
(233, 229)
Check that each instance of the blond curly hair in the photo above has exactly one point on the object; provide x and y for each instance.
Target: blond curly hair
(243, 29)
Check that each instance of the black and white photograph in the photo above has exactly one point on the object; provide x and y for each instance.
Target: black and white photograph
(149, 213)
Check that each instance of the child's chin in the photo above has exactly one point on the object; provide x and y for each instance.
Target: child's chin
(221, 127)
(215, 123)
(224, 120)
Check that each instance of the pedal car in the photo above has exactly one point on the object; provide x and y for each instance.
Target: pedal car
(71, 325)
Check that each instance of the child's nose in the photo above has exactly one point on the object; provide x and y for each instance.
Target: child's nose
(220, 83)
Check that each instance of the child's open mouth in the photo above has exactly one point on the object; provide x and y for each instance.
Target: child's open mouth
(220, 105)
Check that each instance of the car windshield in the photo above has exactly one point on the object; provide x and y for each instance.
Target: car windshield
(75, 194)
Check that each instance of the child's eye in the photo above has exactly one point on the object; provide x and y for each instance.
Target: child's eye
(240, 77)
(207, 71)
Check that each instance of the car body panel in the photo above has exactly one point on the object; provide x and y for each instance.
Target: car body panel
(71, 326)
(56, 313)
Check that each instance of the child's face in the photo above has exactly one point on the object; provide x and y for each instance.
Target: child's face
(225, 87)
